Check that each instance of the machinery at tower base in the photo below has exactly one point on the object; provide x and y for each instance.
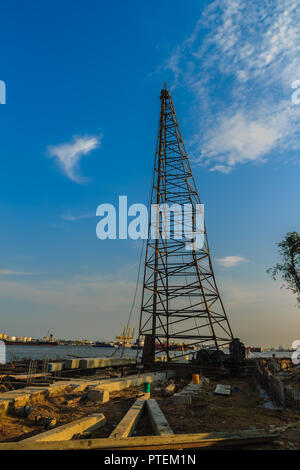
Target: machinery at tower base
(237, 354)
(231, 361)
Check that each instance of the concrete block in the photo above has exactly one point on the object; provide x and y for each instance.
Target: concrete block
(28, 395)
(101, 362)
(55, 366)
(158, 420)
(71, 363)
(185, 396)
(135, 380)
(22, 397)
(191, 394)
(79, 385)
(18, 398)
(4, 405)
(98, 395)
(182, 399)
(58, 388)
(37, 393)
(223, 389)
(193, 387)
(67, 431)
(127, 425)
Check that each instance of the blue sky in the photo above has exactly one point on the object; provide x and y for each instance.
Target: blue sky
(79, 128)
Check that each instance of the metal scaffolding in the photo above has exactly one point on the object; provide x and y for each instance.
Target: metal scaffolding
(180, 300)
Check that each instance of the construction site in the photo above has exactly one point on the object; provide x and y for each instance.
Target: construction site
(208, 394)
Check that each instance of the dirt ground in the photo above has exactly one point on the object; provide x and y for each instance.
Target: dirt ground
(293, 382)
(65, 409)
(240, 411)
(208, 413)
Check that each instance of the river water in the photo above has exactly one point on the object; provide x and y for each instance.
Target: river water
(17, 353)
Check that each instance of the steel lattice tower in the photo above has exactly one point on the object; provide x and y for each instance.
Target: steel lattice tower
(180, 300)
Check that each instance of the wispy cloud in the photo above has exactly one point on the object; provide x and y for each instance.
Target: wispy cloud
(239, 63)
(72, 218)
(68, 155)
(231, 261)
(10, 272)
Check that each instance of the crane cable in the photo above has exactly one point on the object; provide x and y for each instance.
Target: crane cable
(134, 297)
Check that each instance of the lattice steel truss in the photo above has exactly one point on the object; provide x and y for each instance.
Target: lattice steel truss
(180, 300)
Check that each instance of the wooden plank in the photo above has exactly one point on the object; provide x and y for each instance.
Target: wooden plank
(175, 441)
(127, 424)
(158, 420)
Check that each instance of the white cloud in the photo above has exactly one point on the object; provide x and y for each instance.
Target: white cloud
(221, 168)
(72, 218)
(239, 63)
(238, 139)
(68, 155)
(10, 272)
(230, 261)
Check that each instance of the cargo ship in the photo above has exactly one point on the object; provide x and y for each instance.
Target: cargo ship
(34, 342)
(103, 344)
(24, 341)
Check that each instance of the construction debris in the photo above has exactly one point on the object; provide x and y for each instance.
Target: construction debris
(223, 389)
(23, 412)
(98, 395)
(169, 390)
(191, 390)
(47, 422)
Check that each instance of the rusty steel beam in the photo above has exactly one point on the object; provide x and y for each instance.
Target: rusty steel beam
(180, 298)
